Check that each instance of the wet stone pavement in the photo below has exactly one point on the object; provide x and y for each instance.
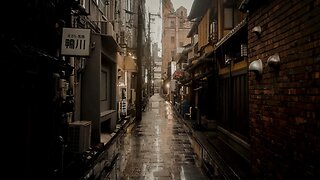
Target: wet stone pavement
(157, 147)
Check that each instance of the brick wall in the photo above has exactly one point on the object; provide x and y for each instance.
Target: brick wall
(285, 104)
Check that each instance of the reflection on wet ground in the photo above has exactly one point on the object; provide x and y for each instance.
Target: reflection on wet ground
(157, 147)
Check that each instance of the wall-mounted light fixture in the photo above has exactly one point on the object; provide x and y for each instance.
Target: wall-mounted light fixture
(257, 67)
(257, 30)
(93, 45)
(274, 61)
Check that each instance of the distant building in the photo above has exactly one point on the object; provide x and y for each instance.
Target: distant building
(157, 64)
(175, 30)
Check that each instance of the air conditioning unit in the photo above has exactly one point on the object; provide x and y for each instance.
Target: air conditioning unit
(79, 136)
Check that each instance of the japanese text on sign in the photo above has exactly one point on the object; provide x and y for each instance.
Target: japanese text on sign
(75, 42)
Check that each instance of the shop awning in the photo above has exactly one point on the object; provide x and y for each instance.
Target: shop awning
(198, 8)
(232, 33)
(202, 59)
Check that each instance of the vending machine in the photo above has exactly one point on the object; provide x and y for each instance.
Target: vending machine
(123, 102)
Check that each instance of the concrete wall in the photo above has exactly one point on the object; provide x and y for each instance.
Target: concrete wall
(92, 108)
(91, 91)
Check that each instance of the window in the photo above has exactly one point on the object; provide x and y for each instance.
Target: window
(102, 6)
(128, 5)
(181, 24)
(86, 5)
(115, 10)
(129, 9)
(173, 53)
(213, 35)
(83, 3)
(172, 39)
(172, 24)
(213, 31)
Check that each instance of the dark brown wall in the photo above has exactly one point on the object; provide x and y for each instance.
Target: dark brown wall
(29, 42)
(285, 104)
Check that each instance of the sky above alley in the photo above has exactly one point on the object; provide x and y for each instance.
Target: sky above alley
(154, 7)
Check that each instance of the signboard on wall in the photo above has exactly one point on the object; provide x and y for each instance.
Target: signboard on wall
(123, 102)
(173, 67)
(75, 42)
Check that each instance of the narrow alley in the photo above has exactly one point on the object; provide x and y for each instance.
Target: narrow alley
(160, 89)
(158, 147)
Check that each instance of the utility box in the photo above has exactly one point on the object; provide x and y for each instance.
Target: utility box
(79, 136)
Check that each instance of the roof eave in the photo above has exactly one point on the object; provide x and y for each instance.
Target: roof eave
(198, 8)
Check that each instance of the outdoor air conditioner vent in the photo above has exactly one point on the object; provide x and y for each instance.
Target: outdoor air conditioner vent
(79, 136)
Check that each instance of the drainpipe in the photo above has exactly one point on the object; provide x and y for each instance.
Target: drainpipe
(72, 84)
(139, 64)
(71, 78)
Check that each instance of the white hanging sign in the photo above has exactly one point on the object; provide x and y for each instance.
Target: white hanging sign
(75, 42)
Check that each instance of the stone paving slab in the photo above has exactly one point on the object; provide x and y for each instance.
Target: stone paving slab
(158, 147)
